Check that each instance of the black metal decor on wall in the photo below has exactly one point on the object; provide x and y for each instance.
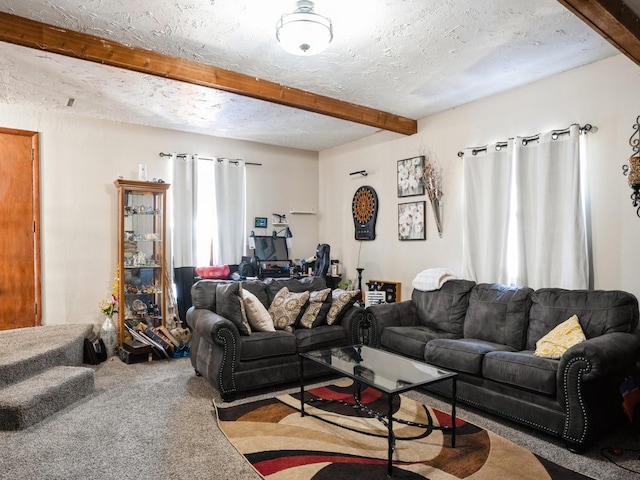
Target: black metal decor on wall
(632, 169)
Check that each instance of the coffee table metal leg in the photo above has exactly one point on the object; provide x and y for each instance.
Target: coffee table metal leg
(301, 385)
(391, 439)
(453, 412)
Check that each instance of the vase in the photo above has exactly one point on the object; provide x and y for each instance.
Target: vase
(437, 207)
(109, 335)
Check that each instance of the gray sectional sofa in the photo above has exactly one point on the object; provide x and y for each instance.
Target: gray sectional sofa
(235, 360)
(488, 333)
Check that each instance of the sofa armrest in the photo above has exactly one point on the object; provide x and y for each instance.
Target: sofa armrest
(390, 315)
(603, 361)
(352, 321)
(208, 325)
(215, 348)
(606, 354)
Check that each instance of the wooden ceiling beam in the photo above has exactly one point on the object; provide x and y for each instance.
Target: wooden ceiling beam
(614, 20)
(48, 38)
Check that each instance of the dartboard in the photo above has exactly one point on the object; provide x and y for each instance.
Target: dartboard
(364, 208)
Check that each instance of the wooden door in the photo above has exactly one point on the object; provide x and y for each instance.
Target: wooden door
(20, 288)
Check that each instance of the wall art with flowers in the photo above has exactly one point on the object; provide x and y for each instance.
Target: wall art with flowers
(410, 176)
(411, 221)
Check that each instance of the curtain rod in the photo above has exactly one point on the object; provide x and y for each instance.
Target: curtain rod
(555, 134)
(235, 161)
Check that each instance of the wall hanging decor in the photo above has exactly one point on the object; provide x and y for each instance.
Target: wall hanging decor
(432, 179)
(632, 168)
(364, 208)
(410, 173)
(411, 221)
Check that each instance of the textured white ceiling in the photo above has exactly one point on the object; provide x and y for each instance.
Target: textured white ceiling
(408, 57)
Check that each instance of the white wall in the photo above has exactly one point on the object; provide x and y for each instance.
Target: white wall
(81, 157)
(604, 94)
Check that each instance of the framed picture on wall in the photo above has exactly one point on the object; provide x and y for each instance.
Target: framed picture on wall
(412, 221)
(410, 171)
(260, 222)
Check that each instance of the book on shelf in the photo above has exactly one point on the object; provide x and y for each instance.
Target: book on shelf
(165, 331)
(137, 335)
(154, 334)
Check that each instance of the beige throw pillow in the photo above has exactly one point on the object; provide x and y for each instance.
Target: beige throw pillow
(316, 301)
(285, 308)
(257, 314)
(560, 339)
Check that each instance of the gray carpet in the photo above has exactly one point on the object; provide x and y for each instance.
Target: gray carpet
(157, 420)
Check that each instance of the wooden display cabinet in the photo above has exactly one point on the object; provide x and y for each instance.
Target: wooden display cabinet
(142, 253)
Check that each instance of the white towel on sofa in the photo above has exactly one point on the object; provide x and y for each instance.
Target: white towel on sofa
(432, 279)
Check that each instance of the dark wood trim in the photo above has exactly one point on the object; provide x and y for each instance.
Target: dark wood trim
(41, 36)
(614, 20)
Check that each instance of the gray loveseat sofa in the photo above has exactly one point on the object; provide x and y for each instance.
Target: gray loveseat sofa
(488, 333)
(236, 360)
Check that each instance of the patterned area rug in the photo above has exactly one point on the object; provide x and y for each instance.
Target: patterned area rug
(338, 441)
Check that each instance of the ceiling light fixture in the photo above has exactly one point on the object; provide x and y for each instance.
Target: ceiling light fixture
(304, 32)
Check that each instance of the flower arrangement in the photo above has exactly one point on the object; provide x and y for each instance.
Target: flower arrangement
(109, 306)
(432, 178)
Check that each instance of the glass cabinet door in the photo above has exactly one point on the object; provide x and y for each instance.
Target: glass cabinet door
(142, 253)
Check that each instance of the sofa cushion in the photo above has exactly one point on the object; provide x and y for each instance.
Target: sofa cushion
(444, 309)
(498, 314)
(267, 344)
(409, 341)
(560, 339)
(230, 305)
(324, 336)
(257, 315)
(341, 301)
(599, 312)
(295, 285)
(461, 355)
(203, 294)
(259, 289)
(286, 307)
(317, 309)
(522, 369)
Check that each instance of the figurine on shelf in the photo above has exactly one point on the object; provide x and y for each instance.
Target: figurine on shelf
(139, 259)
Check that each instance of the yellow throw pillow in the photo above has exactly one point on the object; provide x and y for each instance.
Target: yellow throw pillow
(560, 339)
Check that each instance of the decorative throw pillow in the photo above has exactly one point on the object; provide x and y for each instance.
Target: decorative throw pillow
(312, 316)
(560, 339)
(341, 301)
(257, 314)
(285, 308)
(229, 304)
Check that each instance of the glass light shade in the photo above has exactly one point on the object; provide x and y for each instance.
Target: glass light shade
(304, 33)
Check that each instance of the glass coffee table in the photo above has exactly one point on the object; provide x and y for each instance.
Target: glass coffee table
(387, 372)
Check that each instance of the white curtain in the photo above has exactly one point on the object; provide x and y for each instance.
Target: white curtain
(183, 211)
(230, 189)
(209, 211)
(551, 242)
(487, 179)
(524, 215)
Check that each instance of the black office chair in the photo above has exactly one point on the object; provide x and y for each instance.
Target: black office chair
(323, 260)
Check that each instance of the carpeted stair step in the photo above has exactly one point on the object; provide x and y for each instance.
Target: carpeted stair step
(27, 402)
(25, 352)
